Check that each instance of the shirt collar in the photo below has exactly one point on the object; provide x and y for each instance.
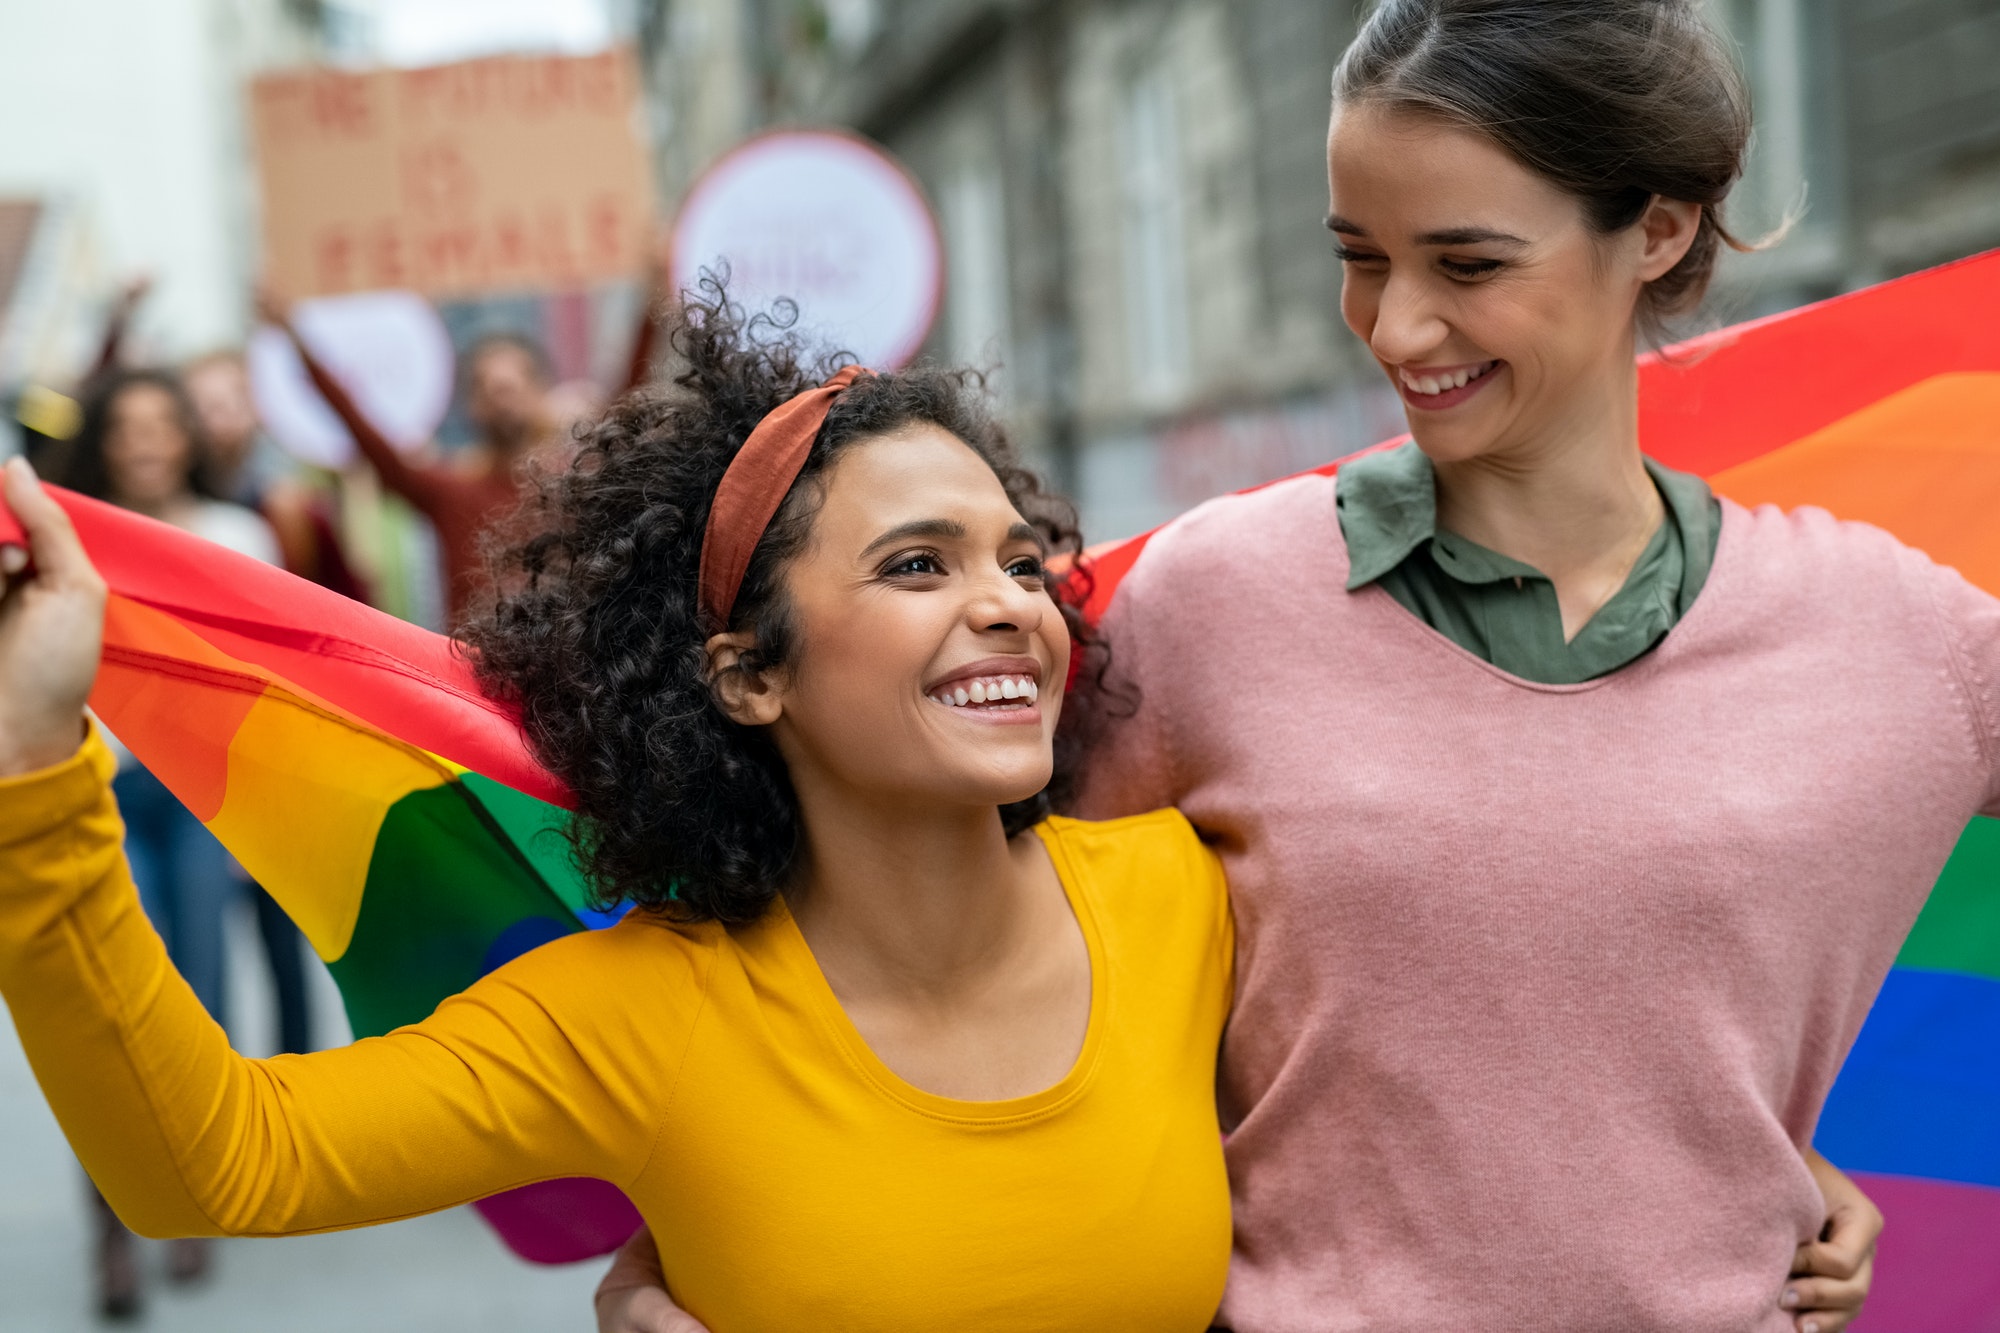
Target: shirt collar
(1387, 503)
(1691, 507)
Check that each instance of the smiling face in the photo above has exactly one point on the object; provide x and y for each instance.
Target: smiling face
(931, 658)
(148, 456)
(1503, 319)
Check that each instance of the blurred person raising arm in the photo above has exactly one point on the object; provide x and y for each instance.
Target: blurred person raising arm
(508, 382)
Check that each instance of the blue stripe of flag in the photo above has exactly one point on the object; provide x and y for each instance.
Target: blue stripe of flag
(1920, 1093)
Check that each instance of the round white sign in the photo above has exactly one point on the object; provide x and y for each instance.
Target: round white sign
(825, 219)
(390, 350)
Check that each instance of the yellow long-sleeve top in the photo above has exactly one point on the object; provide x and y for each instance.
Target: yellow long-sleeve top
(792, 1180)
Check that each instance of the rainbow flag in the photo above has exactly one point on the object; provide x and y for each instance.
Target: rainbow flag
(351, 764)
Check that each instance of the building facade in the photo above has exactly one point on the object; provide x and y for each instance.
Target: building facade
(1131, 194)
(127, 136)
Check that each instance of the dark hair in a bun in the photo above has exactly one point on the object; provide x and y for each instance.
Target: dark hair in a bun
(1615, 101)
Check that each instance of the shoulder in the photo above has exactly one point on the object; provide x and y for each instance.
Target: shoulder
(1242, 529)
(242, 530)
(1234, 556)
(642, 970)
(1809, 538)
(1855, 576)
(1836, 565)
(1158, 850)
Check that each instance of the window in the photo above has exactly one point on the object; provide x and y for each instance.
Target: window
(975, 235)
(1156, 299)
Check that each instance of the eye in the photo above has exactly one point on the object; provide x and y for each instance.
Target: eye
(916, 564)
(1347, 256)
(1469, 270)
(1026, 567)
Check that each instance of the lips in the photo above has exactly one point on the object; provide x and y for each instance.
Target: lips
(988, 692)
(997, 688)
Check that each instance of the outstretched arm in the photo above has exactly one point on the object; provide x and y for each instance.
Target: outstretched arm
(645, 338)
(505, 1084)
(419, 485)
(186, 1137)
(117, 323)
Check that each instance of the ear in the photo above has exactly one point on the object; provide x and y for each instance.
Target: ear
(1666, 229)
(745, 697)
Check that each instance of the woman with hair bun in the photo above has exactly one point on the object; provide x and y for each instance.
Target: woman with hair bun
(1575, 816)
(886, 1045)
(1571, 817)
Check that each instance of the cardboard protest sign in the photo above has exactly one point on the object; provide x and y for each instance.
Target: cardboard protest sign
(490, 175)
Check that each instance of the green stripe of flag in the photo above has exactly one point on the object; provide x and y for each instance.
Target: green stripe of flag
(1959, 930)
(444, 885)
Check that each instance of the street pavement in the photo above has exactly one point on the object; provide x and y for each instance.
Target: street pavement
(444, 1272)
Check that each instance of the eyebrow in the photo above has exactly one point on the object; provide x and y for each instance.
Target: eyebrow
(940, 529)
(1449, 236)
(1025, 532)
(945, 529)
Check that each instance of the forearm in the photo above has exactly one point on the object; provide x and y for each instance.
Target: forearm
(111, 346)
(87, 982)
(640, 366)
(184, 1136)
(413, 483)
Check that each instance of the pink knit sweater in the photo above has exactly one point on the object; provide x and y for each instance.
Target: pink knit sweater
(1540, 988)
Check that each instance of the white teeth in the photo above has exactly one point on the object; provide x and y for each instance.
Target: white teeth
(1436, 384)
(993, 691)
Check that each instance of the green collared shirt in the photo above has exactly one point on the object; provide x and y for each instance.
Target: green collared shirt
(1499, 608)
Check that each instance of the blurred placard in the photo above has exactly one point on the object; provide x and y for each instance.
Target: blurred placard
(828, 220)
(515, 172)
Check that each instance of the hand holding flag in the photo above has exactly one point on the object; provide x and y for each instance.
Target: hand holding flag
(51, 629)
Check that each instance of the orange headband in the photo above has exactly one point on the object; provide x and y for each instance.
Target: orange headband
(755, 484)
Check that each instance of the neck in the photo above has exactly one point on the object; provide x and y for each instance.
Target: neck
(226, 467)
(506, 446)
(1570, 502)
(911, 902)
(168, 509)
(1575, 503)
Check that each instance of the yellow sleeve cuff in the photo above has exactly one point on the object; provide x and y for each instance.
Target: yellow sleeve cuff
(42, 813)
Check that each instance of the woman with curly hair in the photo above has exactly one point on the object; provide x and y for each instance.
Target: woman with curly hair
(885, 1045)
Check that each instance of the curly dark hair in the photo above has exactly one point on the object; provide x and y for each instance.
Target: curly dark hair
(594, 633)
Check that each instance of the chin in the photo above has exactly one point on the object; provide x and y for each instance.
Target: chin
(1008, 790)
(1450, 446)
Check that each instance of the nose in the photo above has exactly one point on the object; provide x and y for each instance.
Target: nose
(1407, 324)
(1003, 605)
